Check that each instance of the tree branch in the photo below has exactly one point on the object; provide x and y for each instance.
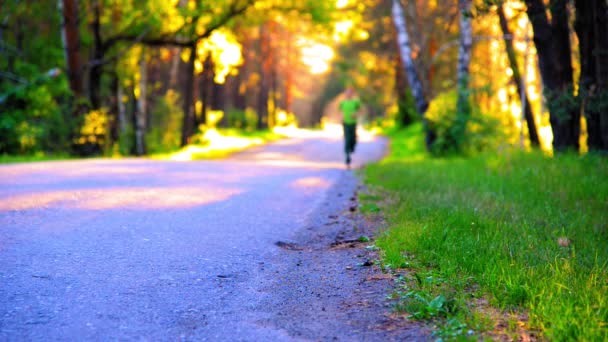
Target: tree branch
(173, 39)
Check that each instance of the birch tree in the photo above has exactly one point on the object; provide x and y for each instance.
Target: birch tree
(405, 52)
(463, 106)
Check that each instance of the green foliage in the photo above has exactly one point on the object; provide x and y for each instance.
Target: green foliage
(33, 105)
(421, 306)
(482, 131)
(94, 136)
(126, 142)
(597, 102)
(561, 103)
(530, 231)
(165, 124)
(243, 119)
(32, 120)
(406, 110)
(39, 156)
(320, 11)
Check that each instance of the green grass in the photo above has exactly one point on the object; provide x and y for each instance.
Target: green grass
(6, 159)
(489, 227)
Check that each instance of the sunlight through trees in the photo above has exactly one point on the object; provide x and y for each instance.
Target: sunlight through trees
(239, 63)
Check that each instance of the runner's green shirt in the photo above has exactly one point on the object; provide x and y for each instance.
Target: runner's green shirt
(349, 108)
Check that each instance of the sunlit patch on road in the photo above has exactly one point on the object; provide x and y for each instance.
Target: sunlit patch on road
(310, 184)
(133, 198)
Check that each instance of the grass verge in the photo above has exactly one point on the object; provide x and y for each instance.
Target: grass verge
(7, 159)
(213, 144)
(219, 143)
(510, 241)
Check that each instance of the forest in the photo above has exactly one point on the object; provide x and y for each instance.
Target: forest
(126, 77)
(487, 192)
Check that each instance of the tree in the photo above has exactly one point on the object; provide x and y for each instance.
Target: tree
(264, 72)
(71, 44)
(196, 24)
(405, 52)
(552, 41)
(35, 96)
(517, 78)
(142, 106)
(463, 107)
(592, 30)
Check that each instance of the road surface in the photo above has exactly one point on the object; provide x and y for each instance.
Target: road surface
(234, 250)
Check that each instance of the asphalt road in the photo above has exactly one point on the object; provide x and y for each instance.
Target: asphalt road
(157, 250)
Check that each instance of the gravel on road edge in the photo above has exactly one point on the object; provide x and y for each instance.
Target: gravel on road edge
(326, 285)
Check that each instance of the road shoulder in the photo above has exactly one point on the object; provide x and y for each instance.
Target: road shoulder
(326, 285)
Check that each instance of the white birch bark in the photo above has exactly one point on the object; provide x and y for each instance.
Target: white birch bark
(464, 58)
(405, 52)
(464, 50)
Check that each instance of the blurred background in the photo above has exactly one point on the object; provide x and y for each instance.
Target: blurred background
(128, 77)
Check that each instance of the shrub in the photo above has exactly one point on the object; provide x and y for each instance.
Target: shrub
(166, 123)
(246, 119)
(482, 130)
(94, 132)
(33, 121)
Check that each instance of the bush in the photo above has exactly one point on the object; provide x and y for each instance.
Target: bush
(406, 110)
(166, 123)
(94, 134)
(482, 131)
(32, 121)
(244, 119)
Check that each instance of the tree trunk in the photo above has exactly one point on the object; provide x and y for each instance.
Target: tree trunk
(122, 113)
(140, 120)
(133, 114)
(270, 64)
(552, 43)
(263, 86)
(241, 90)
(98, 55)
(226, 98)
(289, 73)
(401, 88)
(71, 44)
(592, 31)
(113, 114)
(205, 85)
(405, 52)
(517, 78)
(463, 106)
(239, 101)
(175, 63)
(217, 97)
(10, 56)
(189, 119)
